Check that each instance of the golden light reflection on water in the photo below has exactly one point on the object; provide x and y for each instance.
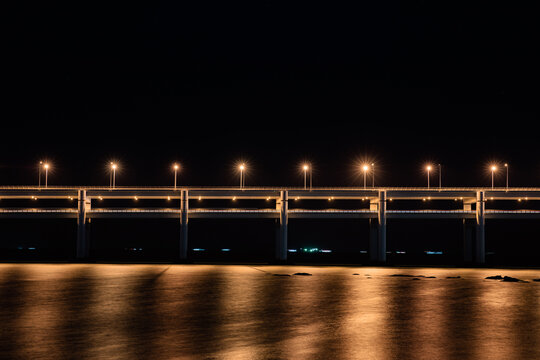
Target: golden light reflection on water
(246, 312)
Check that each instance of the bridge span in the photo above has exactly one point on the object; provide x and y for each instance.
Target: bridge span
(371, 204)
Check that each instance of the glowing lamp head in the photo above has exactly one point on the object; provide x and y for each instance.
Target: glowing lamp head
(305, 167)
(428, 168)
(113, 166)
(242, 167)
(365, 168)
(46, 166)
(176, 167)
(493, 168)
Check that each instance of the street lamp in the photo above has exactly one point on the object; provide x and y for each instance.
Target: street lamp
(493, 169)
(506, 166)
(242, 167)
(175, 167)
(46, 166)
(305, 168)
(112, 183)
(39, 173)
(428, 168)
(440, 177)
(365, 168)
(373, 174)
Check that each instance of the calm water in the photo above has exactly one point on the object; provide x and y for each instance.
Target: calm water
(245, 312)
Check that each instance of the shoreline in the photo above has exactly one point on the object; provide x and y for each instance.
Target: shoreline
(404, 266)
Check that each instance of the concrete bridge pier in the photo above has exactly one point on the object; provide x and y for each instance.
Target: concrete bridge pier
(469, 227)
(381, 248)
(377, 236)
(83, 233)
(184, 207)
(480, 241)
(282, 205)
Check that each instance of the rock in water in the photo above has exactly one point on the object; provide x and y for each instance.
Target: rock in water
(302, 274)
(496, 277)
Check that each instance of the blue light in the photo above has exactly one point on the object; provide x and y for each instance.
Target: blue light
(291, 250)
(199, 249)
(433, 252)
(225, 249)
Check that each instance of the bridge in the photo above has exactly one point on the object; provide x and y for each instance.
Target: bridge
(370, 203)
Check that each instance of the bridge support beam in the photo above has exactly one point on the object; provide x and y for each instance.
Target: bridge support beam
(377, 237)
(373, 232)
(381, 249)
(281, 242)
(184, 207)
(83, 236)
(480, 243)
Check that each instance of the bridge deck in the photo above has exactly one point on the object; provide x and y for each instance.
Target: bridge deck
(93, 192)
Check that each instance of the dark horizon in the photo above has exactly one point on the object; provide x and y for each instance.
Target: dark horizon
(273, 83)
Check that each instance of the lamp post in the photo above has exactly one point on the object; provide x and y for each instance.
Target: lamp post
(39, 173)
(365, 169)
(493, 169)
(112, 184)
(440, 176)
(373, 174)
(176, 167)
(46, 166)
(506, 166)
(305, 168)
(428, 168)
(310, 177)
(242, 167)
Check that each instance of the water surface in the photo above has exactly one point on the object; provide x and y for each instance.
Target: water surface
(89, 311)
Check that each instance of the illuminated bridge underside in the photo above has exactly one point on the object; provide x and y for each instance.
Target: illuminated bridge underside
(370, 204)
(262, 214)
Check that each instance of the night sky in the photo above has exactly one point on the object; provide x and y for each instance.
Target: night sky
(207, 83)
